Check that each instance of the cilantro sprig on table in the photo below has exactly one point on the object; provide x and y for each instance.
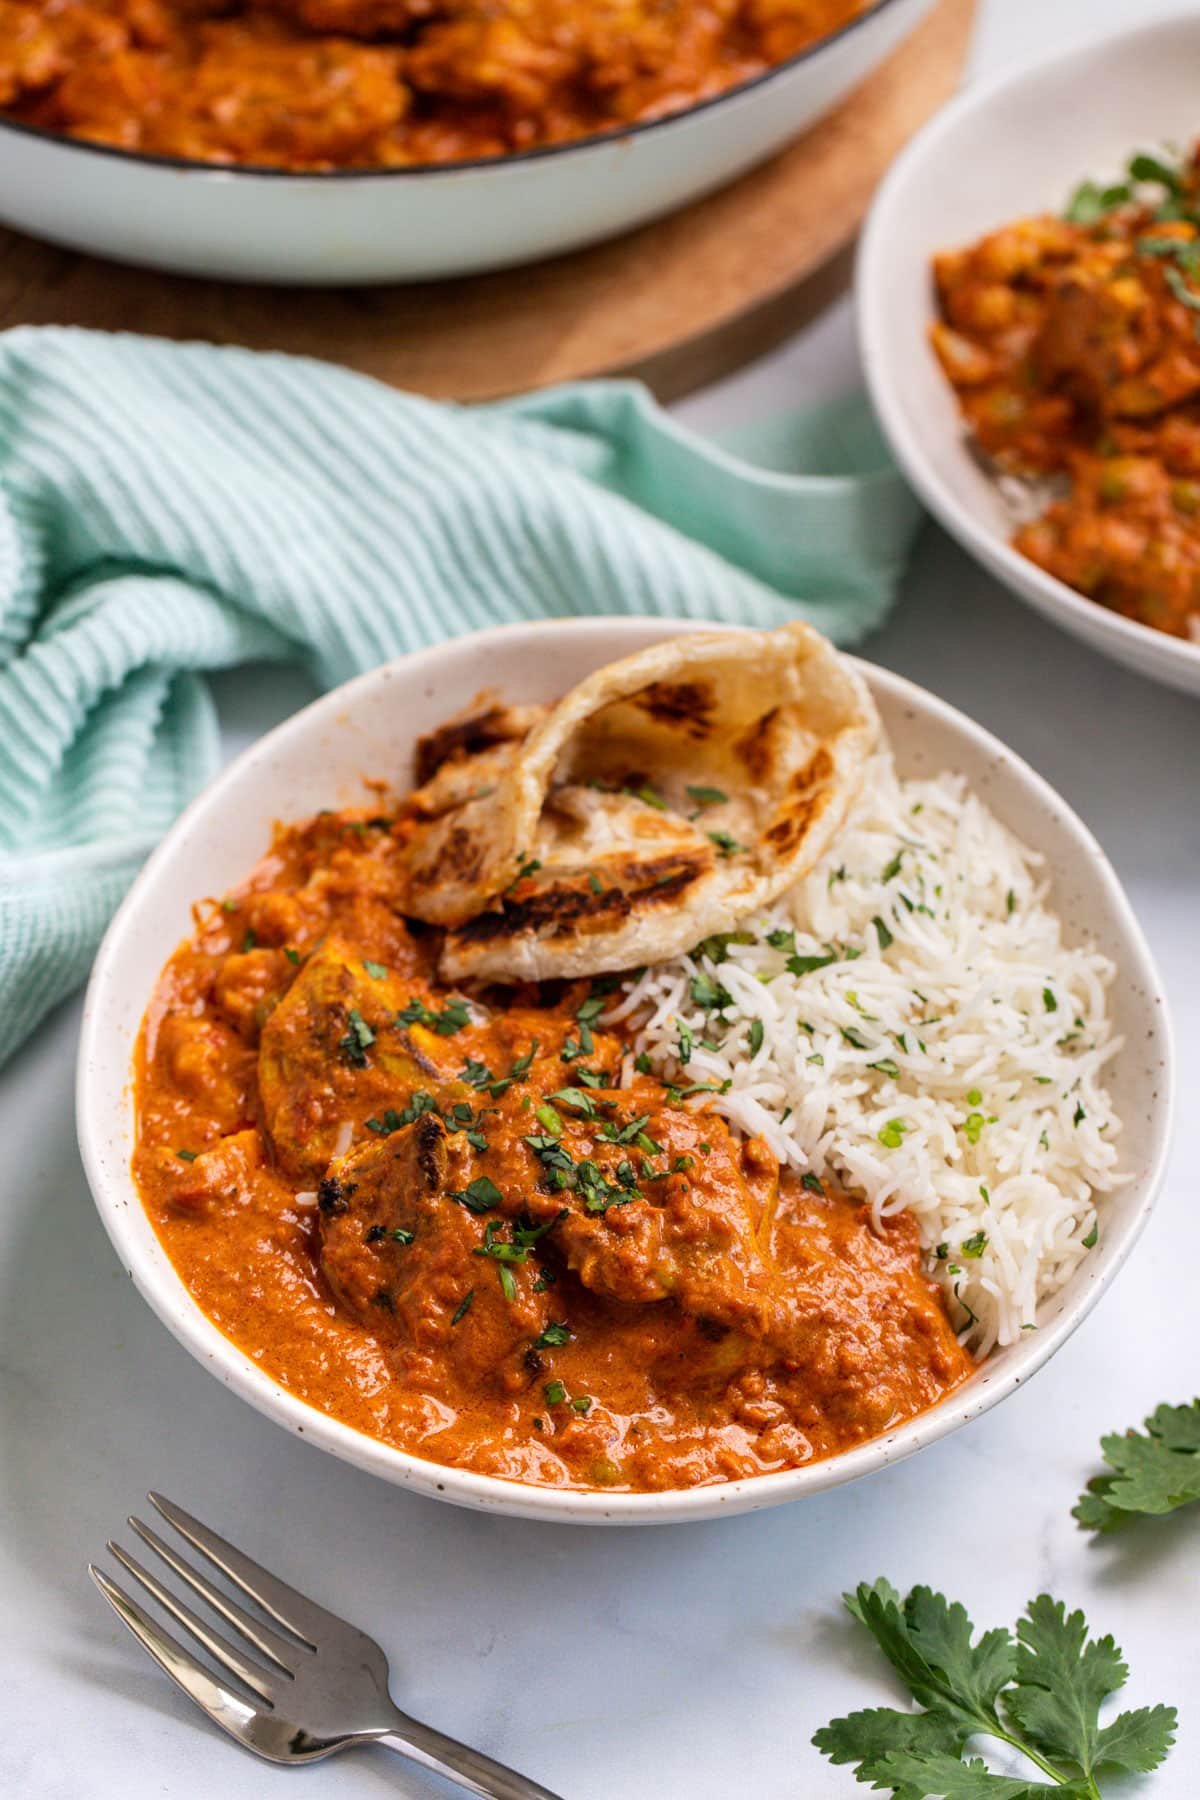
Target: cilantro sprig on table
(1151, 1472)
(1039, 1694)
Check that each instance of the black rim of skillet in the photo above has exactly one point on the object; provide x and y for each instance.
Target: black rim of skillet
(418, 171)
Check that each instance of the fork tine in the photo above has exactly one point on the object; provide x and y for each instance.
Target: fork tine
(288, 1608)
(224, 1708)
(267, 1642)
(218, 1647)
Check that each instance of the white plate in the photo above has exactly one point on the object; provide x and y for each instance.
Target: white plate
(1000, 152)
(416, 224)
(318, 758)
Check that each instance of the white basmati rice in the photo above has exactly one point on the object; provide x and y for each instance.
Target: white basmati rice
(951, 1064)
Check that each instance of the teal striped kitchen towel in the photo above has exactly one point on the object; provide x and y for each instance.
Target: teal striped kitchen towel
(170, 509)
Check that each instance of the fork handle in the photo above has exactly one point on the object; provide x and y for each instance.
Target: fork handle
(476, 1773)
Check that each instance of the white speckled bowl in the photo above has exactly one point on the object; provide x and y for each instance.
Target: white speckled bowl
(1001, 151)
(368, 727)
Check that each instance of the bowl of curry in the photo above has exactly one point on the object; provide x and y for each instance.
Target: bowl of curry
(327, 141)
(338, 1177)
(1029, 337)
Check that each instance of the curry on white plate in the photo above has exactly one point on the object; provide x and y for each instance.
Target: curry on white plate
(668, 1089)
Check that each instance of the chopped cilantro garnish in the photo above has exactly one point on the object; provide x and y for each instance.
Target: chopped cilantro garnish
(804, 965)
(554, 1335)
(358, 1039)
(452, 1018)
(812, 1183)
(375, 970)
(885, 936)
(293, 956)
(526, 866)
(727, 845)
(1144, 167)
(582, 1404)
(187, 1155)
(975, 1245)
(708, 994)
(479, 1196)
(463, 1307)
(555, 1393)
(1089, 203)
(1048, 1000)
(755, 1036)
(706, 796)
(250, 939)
(893, 868)
(580, 1101)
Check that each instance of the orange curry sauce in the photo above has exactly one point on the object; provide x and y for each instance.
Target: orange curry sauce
(324, 84)
(444, 1221)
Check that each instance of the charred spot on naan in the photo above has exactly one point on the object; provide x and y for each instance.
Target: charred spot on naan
(571, 903)
(474, 810)
(756, 748)
(684, 705)
(482, 726)
(809, 796)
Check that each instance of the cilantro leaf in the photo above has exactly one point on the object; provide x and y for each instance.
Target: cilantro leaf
(1041, 1695)
(869, 1736)
(1136, 1741)
(1062, 1679)
(1153, 1472)
(940, 1772)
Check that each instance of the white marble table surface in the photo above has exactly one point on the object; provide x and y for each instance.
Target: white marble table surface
(617, 1665)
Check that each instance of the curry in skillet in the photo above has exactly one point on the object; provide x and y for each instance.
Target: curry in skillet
(328, 84)
(463, 1215)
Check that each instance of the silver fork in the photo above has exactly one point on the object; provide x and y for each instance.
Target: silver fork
(312, 1688)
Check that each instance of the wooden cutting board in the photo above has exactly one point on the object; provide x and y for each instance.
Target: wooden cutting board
(679, 303)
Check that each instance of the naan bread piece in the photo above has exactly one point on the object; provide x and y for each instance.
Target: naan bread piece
(679, 790)
(478, 804)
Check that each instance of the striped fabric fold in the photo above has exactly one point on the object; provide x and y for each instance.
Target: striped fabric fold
(171, 509)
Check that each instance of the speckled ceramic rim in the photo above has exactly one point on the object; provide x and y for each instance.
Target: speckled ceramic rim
(105, 1145)
(619, 134)
(874, 278)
